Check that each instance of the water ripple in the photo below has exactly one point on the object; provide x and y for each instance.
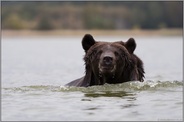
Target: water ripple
(108, 88)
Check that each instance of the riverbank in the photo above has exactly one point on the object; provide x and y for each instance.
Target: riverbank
(136, 32)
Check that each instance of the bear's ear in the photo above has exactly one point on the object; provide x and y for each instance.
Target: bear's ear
(87, 42)
(130, 45)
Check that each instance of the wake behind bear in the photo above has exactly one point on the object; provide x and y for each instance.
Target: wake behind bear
(109, 62)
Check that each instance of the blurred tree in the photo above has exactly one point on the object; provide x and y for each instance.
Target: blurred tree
(13, 22)
(173, 13)
(95, 19)
(45, 23)
(45, 15)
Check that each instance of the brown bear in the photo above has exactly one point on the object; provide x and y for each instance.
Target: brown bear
(109, 62)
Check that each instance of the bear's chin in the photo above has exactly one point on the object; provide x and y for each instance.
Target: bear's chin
(107, 71)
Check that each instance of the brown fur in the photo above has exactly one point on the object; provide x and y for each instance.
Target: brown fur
(109, 62)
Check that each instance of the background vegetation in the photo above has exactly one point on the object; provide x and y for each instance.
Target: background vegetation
(91, 15)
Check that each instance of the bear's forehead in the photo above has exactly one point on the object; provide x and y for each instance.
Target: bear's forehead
(108, 46)
(117, 47)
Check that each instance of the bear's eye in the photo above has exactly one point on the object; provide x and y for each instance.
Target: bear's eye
(95, 55)
(99, 52)
(117, 54)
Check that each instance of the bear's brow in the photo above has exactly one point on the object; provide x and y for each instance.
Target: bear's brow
(99, 45)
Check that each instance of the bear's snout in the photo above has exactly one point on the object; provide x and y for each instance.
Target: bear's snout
(107, 62)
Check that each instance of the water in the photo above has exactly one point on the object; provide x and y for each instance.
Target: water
(35, 70)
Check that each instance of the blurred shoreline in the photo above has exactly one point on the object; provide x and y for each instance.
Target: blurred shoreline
(135, 32)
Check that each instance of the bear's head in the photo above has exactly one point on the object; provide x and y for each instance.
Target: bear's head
(109, 62)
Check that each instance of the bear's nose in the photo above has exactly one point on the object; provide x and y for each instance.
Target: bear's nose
(107, 60)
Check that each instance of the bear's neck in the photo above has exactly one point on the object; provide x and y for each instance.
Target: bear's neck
(100, 79)
(112, 79)
(106, 79)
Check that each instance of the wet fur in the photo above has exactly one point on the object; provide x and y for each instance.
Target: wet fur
(131, 71)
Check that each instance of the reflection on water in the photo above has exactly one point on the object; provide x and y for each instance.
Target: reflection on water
(128, 106)
(109, 94)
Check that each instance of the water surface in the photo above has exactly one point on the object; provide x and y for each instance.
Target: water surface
(35, 70)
